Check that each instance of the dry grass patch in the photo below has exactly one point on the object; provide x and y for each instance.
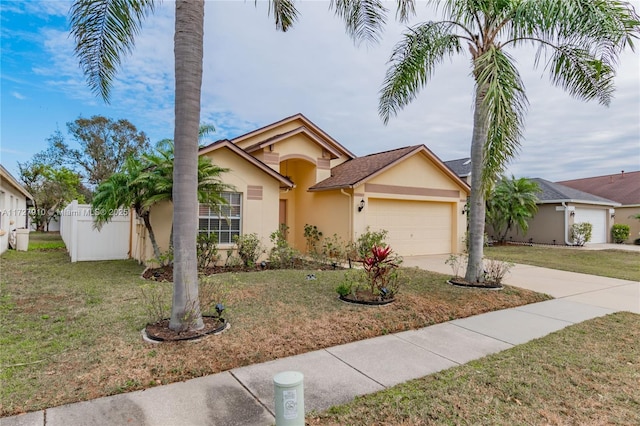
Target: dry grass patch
(586, 374)
(71, 332)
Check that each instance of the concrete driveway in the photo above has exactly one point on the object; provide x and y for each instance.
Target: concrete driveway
(612, 293)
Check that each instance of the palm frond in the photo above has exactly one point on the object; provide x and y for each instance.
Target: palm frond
(405, 10)
(506, 103)
(104, 31)
(413, 62)
(284, 12)
(583, 76)
(364, 19)
(117, 191)
(582, 38)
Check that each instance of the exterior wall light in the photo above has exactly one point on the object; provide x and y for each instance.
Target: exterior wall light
(361, 205)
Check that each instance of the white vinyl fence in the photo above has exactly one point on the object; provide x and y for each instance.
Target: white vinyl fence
(84, 242)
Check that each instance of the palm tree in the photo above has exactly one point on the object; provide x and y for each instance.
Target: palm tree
(512, 203)
(105, 30)
(580, 40)
(125, 189)
(148, 180)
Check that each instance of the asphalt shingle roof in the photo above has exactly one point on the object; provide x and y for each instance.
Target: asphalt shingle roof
(555, 192)
(461, 167)
(621, 187)
(353, 171)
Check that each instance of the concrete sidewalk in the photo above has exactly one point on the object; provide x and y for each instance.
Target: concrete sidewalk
(245, 396)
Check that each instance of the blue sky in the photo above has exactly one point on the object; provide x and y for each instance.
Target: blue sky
(254, 75)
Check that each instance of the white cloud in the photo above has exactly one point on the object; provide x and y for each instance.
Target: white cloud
(254, 75)
(18, 96)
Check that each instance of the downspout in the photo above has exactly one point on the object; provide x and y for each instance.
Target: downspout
(350, 214)
(566, 224)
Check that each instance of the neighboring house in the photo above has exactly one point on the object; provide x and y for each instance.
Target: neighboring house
(559, 208)
(14, 201)
(624, 188)
(292, 172)
(461, 167)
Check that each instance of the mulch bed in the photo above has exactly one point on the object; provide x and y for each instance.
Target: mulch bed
(165, 273)
(459, 282)
(365, 297)
(161, 332)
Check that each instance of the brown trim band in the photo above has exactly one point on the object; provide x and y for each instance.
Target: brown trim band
(410, 190)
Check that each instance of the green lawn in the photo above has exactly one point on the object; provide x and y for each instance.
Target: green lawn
(71, 332)
(607, 263)
(586, 374)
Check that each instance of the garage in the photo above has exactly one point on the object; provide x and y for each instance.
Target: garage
(415, 227)
(598, 219)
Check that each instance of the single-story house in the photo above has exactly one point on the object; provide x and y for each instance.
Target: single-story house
(14, 201)
(624, 188)
(559, 207)
(294, 173)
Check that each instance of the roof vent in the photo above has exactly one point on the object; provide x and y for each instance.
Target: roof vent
(466, 163)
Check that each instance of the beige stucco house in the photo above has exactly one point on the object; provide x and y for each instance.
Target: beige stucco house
(14, 200)
(293, 172)
(559, 207)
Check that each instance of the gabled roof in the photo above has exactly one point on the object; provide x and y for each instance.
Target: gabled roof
(226, 143)
(551, 193)
(306, 123)
(622, 187)
(354, 172)
(461, 167)
(299, 130)
(6, 176)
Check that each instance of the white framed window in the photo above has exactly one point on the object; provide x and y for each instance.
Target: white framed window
(226, 221)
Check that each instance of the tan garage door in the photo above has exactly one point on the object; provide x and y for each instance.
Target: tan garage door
(415, 227)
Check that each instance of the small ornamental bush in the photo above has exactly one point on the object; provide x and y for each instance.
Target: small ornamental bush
(249, 248)
(368, 240)
(207, 249)
(620, 233)
(381, 267)
(581, 233)
(282, 255)
(312, 236)
(334, 249)
(496, 270)
(458, 263)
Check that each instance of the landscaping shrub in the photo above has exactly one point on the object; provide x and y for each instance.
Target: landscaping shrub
(207, 249)
(334, 249)
(620, 233)
(249, 248)
(282, 255)
(381, 268)
(312, 234)
(495, 270)
(368, 240)
(581, 233)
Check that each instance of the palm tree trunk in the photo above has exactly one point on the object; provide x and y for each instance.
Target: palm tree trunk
(477, 210)
(152, 235)
(188, 51)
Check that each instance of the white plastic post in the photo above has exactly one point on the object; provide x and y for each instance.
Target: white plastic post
(289, 398)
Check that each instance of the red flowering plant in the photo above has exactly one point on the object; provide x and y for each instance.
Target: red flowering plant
(381, 267)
